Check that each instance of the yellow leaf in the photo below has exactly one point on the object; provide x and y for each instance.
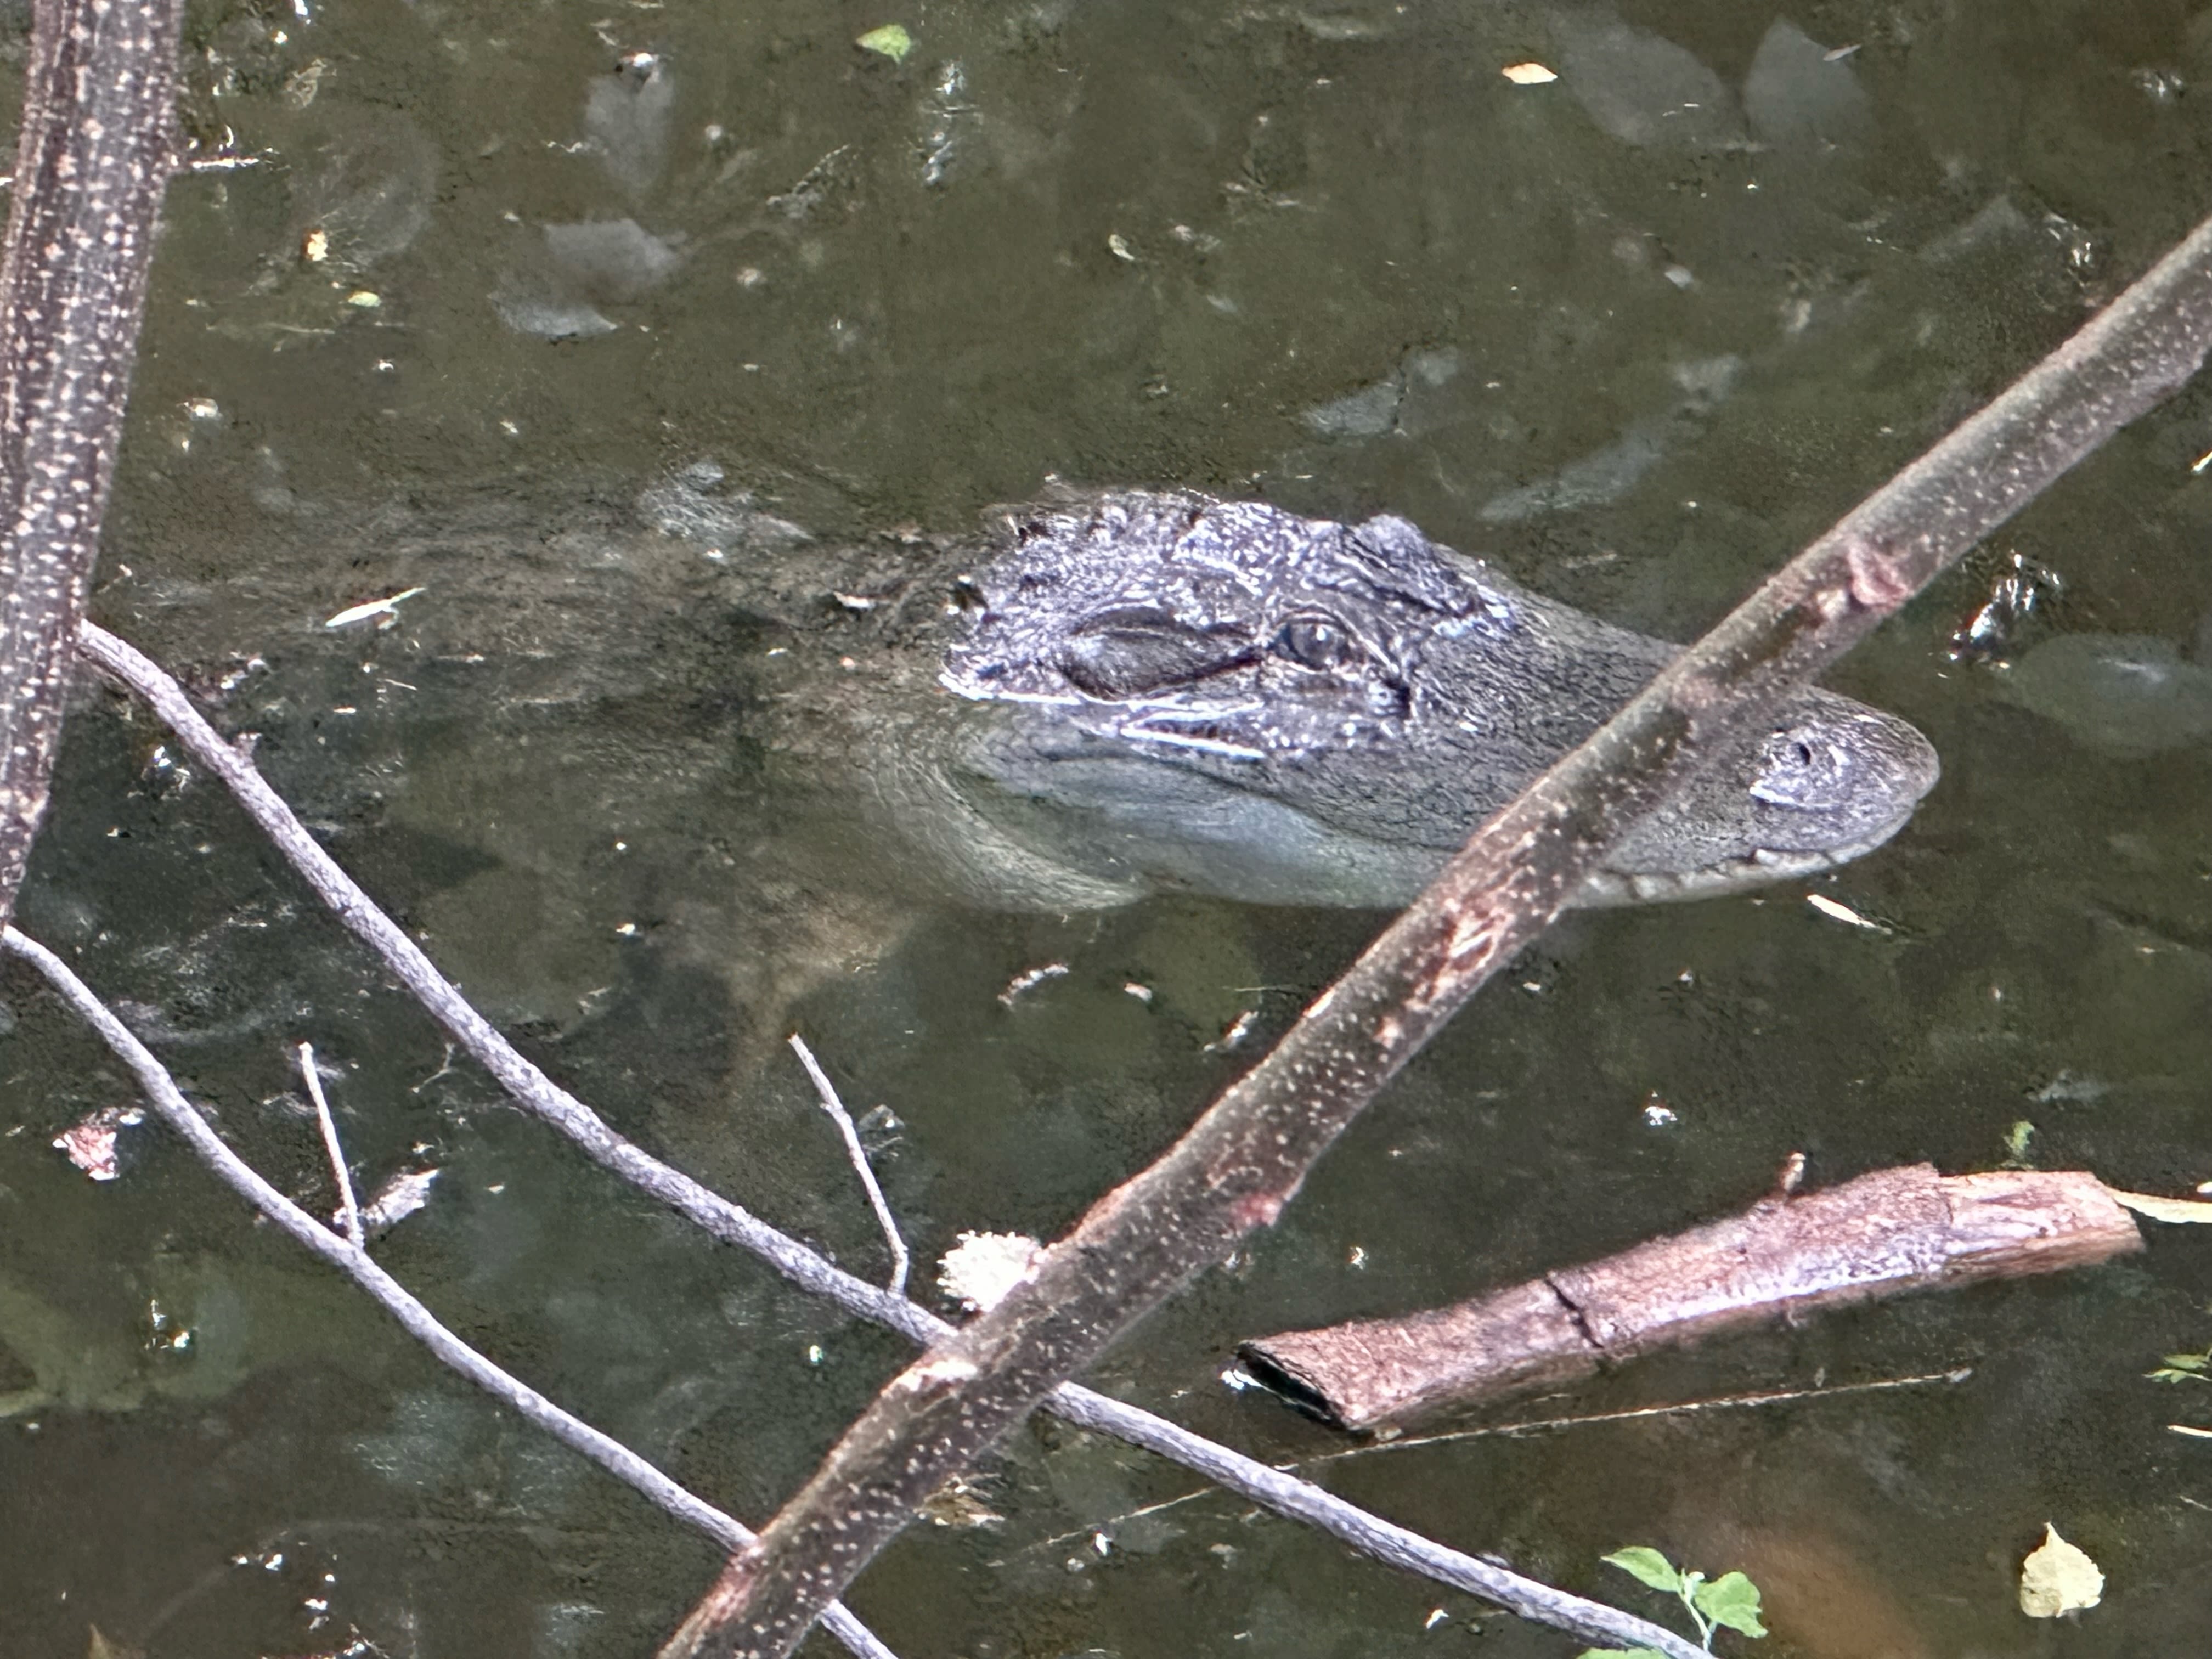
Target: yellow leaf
(2163, 1209)
(1527, 74)
(891, 42)
(2058, 1578)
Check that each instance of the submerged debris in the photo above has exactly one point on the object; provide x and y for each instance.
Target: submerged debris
(1029, 980)
(90, 1142)
(397, 1199)
(2020, 588)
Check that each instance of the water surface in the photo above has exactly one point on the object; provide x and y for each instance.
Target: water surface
(1635, 335)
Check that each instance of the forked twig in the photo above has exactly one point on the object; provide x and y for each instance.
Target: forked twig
(826, 1092)
(535, 1093)
(168, 1102)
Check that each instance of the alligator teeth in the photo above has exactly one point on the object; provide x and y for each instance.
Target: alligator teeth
(1183, 740)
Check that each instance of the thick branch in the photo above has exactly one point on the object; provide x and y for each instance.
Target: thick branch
(1246, 1158)
(1883, 1234)
(94, 155)
(1273, 1489)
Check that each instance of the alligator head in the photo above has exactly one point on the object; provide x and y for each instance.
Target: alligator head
(1224, 697)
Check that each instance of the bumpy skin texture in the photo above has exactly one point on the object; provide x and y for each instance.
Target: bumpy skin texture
(1226, 698)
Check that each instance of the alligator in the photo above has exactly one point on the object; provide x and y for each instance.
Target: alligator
(1105, 695)
(1166, 691)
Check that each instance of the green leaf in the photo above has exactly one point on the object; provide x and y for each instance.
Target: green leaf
(891, 40)
(2189, 1361)
(1731, 1600)
(1641, 1561)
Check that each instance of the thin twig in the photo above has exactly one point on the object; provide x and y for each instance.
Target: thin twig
(731, 1224)
(169, 1102)
(826, 1092)
(1725, 1402)
(347, 1208)
(1515, 1430)
(1248, 1154)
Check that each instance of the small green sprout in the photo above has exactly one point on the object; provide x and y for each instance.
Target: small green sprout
(2017, 1140)
(891, 40)
(1731, 1600)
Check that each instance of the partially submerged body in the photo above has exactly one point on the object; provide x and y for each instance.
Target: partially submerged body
(653, 777)
(1103, 697)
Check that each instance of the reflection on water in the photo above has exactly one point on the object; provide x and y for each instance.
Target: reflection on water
(1633, 334)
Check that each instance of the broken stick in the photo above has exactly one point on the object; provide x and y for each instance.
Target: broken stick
(1885, 1233)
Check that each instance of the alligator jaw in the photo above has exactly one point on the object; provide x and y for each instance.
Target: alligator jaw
(1610, 888)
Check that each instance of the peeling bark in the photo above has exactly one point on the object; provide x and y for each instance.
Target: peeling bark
(1884, 1234)
(95, 155)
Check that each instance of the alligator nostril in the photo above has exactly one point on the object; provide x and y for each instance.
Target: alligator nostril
(1804, 770)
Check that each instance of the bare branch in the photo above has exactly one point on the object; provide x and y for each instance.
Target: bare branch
(93, 156)
(826, 1092)
(1249, 1153)
(347, 1208)
(1284, 1494)
(349, 1258)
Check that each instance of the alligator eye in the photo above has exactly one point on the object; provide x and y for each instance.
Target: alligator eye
(1316, 642)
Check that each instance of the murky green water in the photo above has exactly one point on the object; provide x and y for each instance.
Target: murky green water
(1635, 335)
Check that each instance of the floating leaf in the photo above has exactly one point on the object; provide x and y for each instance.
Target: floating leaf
(891, 40)
(1836, 910)
(2164, 1209)
(1731, 1600)
(2183, 1368)
(2058, 1578)
(1527, 74)
(384, 607)
(1646, 1564)
(981, 1268)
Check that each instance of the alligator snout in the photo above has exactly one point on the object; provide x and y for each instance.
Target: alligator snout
(1839, 773)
